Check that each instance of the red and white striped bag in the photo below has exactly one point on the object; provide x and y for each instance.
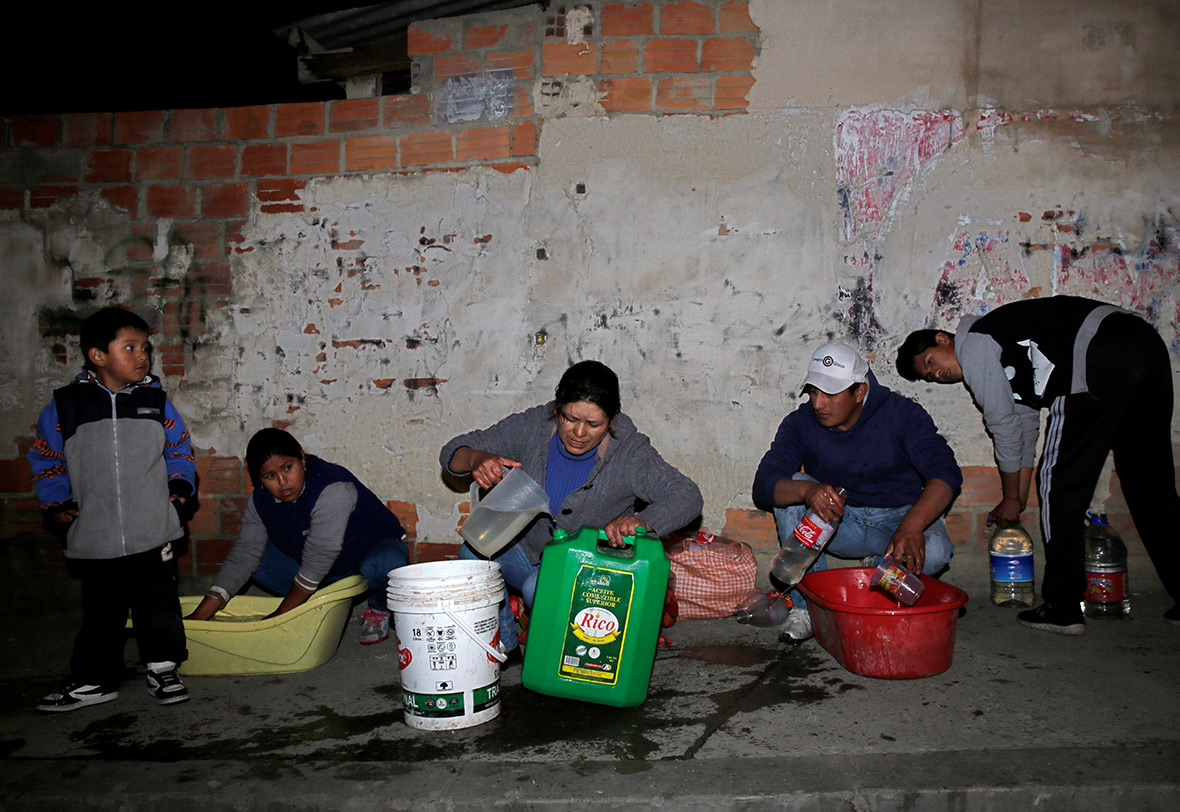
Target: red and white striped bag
(711, 574)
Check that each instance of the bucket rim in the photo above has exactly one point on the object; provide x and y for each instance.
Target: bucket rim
(958, 599)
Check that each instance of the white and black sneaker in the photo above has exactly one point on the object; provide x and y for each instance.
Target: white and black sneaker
(1046, 618)
(77, 695)
(797, 627)
(166, 687)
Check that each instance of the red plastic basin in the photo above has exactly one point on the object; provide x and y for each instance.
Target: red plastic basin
(870, 634)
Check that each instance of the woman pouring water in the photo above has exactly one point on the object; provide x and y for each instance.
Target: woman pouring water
(595, 467)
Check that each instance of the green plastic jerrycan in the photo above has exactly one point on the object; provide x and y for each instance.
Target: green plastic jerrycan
(596, 618)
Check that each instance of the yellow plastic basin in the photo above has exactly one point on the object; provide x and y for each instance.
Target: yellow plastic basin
(240, 640)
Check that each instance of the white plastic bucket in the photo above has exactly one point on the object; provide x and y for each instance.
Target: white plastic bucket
(447, 620)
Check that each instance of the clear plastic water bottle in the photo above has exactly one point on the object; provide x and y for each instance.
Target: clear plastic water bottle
(1010, 554)
(763, 609)
(1106, 595)
(811, 535)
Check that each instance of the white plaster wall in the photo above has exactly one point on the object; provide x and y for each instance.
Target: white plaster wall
(702, 258)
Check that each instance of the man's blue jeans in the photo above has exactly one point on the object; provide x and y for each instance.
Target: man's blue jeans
(520, 574)
(864, 532)
(277, 570)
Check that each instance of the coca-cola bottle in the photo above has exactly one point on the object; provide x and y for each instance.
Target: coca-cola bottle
(801, 550)
(763, 609)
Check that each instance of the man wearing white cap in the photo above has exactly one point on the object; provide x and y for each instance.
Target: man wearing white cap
(898, 472)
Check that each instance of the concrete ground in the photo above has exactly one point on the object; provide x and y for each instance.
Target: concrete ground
(734, 720)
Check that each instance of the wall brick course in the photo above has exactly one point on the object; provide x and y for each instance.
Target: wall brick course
(483, 36)
(483, 143)
(522, 63)
(422, 552)
(122, 197)
(192, 125)
(684, 93)
(86, 129)
(350, 115)
(368, 152)
(735, 16)
(108, 166)
(159, 163)
(755, 527)
(225, 199)
(43, 197)
(140, 127)
(430, 147)
(34, 130)
(16, 476)
(626, 94)
(687, 18)
(622, 20)
(407, 109)
(260, 160)
(524, 139)
(318, 158)
(670, 55)
(278, 195)
(566, 59)
(420, 42)
(730, 92)
(619, 56)
(243, 123)
(211, 161)
(727, 54)
(171, 200)
(303, 118)
(451, 66)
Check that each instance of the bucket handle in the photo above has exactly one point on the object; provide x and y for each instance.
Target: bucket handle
(492, 652)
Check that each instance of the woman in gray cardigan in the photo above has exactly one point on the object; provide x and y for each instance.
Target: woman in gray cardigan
(596, 468)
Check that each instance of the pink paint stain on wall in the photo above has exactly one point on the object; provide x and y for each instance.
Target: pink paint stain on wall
(878, 152)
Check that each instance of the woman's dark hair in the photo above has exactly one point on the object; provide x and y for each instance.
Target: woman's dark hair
(915, 344)
(592, 382)
(101, 328)
(268, 443)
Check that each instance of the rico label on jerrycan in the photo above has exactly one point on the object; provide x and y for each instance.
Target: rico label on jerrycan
(596, 618)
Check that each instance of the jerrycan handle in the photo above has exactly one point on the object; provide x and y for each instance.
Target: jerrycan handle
(627, 551)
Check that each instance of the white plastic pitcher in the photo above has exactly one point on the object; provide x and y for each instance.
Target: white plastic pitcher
(504, 512)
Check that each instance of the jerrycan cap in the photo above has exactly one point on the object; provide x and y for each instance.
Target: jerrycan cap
(560, 535)
(1096, 518)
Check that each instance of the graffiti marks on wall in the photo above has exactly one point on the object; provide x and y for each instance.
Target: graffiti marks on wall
(878, 153)
(486, 96)
(1060, 251)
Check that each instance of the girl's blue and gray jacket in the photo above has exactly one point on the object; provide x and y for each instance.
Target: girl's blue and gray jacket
(117, 456)
(328, 529)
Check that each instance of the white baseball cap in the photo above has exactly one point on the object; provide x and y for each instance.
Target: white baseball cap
(835, 367)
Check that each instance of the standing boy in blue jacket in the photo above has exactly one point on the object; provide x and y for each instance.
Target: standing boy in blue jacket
(113, 463)
(883, 449)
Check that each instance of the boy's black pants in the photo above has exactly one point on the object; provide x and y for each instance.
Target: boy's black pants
(144, 584)
(1128, 410)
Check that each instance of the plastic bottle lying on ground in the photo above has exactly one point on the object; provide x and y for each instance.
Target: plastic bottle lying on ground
(763, 609)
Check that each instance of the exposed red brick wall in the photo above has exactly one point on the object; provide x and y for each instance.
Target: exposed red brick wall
(208, 171)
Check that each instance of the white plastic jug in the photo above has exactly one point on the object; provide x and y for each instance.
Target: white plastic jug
(504, 512)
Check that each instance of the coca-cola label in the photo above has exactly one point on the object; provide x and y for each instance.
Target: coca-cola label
(597, 629)
(808, 532)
